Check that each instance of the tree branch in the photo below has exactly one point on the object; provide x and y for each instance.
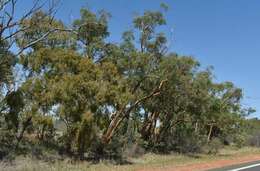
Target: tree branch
(120, 115)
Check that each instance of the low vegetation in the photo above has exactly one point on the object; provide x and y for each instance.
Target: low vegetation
(147, 161)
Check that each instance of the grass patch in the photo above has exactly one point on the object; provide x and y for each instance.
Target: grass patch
(146, 161)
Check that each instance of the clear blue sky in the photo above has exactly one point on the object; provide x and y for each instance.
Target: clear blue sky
(221, 33)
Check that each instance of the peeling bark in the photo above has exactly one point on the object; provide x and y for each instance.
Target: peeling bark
(149, 126)
(210, 132)
(124, 112)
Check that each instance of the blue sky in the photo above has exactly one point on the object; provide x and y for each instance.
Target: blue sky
(221, 33)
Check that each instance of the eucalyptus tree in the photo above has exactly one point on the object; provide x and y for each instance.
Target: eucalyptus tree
(13, 124)
(103, 91)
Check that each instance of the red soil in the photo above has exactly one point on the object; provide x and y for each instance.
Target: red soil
(209, 165)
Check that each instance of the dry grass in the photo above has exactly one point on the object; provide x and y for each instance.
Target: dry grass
(144, 162)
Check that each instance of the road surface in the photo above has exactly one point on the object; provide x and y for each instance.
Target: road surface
(252, 166)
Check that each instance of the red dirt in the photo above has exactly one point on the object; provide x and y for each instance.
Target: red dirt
(208, 165)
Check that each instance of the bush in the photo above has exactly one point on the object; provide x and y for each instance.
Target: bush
(213, 146)
(134, 150)
(185, 140)
(240, 140)
(254, 140)
(192, 144)
(6, 144)
(112, 151)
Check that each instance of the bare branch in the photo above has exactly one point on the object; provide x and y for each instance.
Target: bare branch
(3, 4)
(13, 26)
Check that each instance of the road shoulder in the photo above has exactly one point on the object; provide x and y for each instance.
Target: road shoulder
(222, 163)
(232, 167)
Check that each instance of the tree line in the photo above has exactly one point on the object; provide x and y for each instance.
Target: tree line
(67, 89)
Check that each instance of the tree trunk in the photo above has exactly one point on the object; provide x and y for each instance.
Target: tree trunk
(149, 126)
(24, 127)
(210, 132)
(43, 132)
(124, 112)
(196, 127)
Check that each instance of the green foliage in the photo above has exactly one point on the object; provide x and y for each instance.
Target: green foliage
(6, 143)
(213, 146)
(85, 134)
(7, 61)
(91, 31)
(111, 97)
(252, 132)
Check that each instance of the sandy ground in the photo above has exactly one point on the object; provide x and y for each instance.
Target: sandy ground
(208, 165)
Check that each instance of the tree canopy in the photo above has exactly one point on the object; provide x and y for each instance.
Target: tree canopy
(82, 94)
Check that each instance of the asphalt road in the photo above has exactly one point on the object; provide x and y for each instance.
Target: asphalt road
(252, 166)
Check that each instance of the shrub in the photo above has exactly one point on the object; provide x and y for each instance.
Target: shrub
(6, 144)
(213, 146)
(254, 140)
(192, 144)
(134, 150)
(185, 140)
(113, 151)
(240, 140)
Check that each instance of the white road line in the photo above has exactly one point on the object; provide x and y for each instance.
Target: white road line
(246, 167)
